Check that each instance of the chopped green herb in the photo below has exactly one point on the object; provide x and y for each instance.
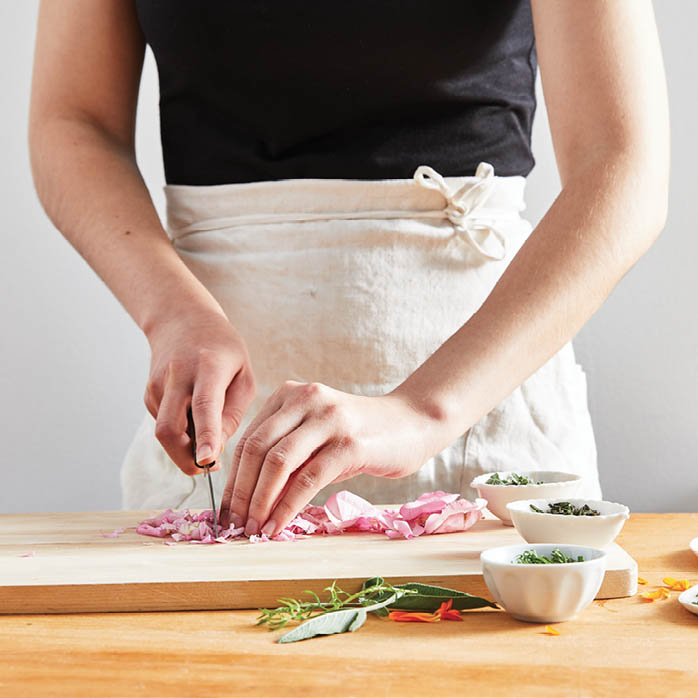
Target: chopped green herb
(531, 557)
(567, 509)
(513, 479)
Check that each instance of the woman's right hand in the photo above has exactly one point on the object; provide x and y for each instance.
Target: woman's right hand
(202, 361)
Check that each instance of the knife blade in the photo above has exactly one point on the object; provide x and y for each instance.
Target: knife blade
(191, 431)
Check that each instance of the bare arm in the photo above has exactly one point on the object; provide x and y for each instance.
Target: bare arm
(603, 78)
(87, 70)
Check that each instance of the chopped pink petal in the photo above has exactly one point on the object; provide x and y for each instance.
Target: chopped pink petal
(115, 534)
(428, 503)
(459, 515)
(345, 508)
(31, 553)
(433, 512)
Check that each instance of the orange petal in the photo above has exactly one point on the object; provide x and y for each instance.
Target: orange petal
(549, 630)
(677, 584)
(408, 617)
(453, 614)
(640, 580)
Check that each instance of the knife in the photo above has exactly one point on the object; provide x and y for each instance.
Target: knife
(191, 432)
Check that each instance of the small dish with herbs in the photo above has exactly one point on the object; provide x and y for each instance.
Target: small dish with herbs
(543, 583)
(503, 487)
(689, 599)
(570, 521)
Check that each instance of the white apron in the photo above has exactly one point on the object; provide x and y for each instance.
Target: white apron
(354, 283)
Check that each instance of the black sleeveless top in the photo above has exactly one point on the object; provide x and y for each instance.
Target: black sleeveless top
(256, 90)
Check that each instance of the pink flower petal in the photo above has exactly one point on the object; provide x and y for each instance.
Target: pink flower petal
(432, 512)
(115, 534)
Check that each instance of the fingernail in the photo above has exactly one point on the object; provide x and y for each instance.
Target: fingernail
(251, 528)
(269, 527)
(236, 520)
(203, 452)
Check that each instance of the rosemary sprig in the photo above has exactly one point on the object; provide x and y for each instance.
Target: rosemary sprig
(531, 557)
(513, 479)
(295, 610)
(568, 509)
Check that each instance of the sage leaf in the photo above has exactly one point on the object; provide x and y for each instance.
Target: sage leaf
(343, 621)
(427, 597)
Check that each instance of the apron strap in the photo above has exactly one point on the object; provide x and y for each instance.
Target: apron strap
(462, 205)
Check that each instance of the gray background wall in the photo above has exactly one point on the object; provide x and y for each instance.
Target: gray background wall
(73, 366)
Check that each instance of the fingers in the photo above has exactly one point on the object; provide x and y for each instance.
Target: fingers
(281, 460)
(171, 424)
(226, 515)
(305, 483)
(241, 392)
(254, 452)
(207, 400)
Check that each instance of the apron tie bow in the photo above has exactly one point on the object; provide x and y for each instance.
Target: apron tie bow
(462, 206)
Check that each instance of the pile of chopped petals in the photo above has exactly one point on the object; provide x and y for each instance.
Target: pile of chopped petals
(433, 512)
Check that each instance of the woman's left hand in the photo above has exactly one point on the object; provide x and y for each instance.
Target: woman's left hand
(308, 435)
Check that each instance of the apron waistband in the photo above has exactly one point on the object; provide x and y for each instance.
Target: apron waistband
(473, 205)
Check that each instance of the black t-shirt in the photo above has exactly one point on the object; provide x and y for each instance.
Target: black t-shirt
(255, 90)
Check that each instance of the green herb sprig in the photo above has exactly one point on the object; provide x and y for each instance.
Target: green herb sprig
(513, 479)
(531, 557)
(294, 610)
(344, 612)
(567, 509)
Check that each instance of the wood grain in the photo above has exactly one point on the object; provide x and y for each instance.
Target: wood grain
(621, 646)
(76, 569)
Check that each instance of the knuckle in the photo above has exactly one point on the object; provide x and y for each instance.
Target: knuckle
(347, 442)
(313, 389)
(232, 418)
(307, 479)
(203, 402)
(239, 496)
(206, 435)
(208, 358)
(164, 431)
(276, 459)
(254, 446)
(239, 448)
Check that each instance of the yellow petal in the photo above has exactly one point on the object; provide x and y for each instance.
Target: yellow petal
(640, 580)
(670, 581)
(549, 630)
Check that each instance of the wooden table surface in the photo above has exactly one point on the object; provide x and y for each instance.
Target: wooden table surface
(617, 647)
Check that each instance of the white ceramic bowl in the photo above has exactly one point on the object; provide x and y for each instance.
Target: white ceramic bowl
(693, 545)
(687, 598)
(543, 593)
(554, 484)
(595, 531)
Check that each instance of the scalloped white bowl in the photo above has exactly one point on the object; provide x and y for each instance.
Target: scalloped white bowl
(555, 484)
(543, 593)
(688, 597)
(594, 531)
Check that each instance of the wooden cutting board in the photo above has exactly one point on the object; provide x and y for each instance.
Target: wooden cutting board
(74, 568)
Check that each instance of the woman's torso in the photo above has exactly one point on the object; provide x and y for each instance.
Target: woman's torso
(267, 90)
